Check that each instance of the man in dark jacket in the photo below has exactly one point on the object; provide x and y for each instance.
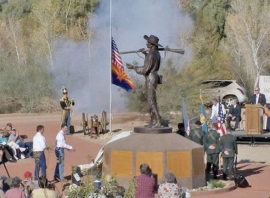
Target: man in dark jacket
(258, 98)
(196, 135)
(234, 115)
(211, 147)
(228, 146)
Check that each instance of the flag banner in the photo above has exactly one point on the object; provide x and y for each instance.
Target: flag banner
(203, 117)
(221, 118)
(119, 77)
(185, 116)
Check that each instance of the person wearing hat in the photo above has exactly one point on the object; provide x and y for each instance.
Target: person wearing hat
(196, 135)
(150, 71)
(66, 104)
(15, 191)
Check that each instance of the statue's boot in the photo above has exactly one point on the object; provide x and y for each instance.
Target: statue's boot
(151, 123)
(157, 119)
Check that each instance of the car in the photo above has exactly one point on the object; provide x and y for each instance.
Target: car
(227, 90)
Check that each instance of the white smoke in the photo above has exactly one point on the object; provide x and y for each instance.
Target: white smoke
(84, 67)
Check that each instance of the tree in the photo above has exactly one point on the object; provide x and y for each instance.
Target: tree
(248, 38)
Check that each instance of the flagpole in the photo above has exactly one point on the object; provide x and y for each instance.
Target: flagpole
(110, 65)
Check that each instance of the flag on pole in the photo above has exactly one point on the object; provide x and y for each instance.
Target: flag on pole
(185, 116)
(202, 116)
(119, 76)
(221, 118)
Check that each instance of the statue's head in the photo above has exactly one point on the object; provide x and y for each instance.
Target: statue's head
(152, 40)
(64, 90)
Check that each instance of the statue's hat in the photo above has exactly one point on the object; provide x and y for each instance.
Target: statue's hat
(152, 39)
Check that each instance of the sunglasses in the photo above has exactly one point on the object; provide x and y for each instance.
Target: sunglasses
(256, 90)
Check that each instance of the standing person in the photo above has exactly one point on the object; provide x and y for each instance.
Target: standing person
(66, 104)
(234, 115)
(215, 109)
(196, 135)
(258, 98)
(145, 183)
(211, 147)
(228, 146)
(152, 79)
(59, 152)
(39, 145)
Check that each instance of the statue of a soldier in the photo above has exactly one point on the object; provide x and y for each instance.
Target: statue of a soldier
(152, 79)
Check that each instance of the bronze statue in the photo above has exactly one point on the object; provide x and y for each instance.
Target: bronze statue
(152, 79)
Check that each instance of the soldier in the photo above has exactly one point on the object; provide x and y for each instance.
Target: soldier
(211, 147)
(228, 148)
(66, 104)
(196, 135)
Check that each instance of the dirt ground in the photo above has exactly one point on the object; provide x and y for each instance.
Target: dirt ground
(253, 161)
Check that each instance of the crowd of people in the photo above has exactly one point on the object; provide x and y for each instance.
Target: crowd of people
(13, 148)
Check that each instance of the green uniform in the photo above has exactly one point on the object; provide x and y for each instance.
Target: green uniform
(228, 143)
(196, 135)
(211, 138)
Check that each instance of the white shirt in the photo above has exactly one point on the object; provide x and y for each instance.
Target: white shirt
(257, 98)
(39, 142)
(215, 110)
(61, 142)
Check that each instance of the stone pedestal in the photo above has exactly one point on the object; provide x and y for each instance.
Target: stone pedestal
(163, 151)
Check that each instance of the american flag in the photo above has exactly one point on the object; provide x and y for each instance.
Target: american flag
(221, 118)
(119, 77)
(116, 58)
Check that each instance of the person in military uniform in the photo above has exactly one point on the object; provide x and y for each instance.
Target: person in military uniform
(196, 135)
(228, 146)
(181, 129)
(66, 104)
(211, 147)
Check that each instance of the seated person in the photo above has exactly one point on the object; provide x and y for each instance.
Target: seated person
(16, 148)
(28, 183)
(14, 136)
(6, 130)
(15, 191)
(267, 113)
(234, 115)
(145, 183)
(43, 191)
(170, 187)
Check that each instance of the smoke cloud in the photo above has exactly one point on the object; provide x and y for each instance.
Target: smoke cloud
(84, 67)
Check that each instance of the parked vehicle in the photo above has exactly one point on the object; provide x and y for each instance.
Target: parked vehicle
(226, 89)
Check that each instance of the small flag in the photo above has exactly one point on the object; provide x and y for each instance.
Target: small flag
(119, 76)
(202, 116)
(185, 116)
(221, 118)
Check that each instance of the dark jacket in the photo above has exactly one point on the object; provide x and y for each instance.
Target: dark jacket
(235, 111)
(196, 135)
(228, 143)
(211, 138)
(262, 99)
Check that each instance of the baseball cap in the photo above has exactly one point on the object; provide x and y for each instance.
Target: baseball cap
(27, 174)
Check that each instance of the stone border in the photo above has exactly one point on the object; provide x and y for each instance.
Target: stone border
(230, 186)
(145, 130)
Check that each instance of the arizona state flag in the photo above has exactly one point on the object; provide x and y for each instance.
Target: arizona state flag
(119, 76)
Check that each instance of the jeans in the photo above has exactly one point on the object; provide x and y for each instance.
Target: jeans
(67, 121)
(40, 163)
(28, 145)
(59, 168)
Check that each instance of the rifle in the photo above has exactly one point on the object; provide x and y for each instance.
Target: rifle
(179, 51)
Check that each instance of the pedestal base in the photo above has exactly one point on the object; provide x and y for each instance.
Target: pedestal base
(162, 150)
